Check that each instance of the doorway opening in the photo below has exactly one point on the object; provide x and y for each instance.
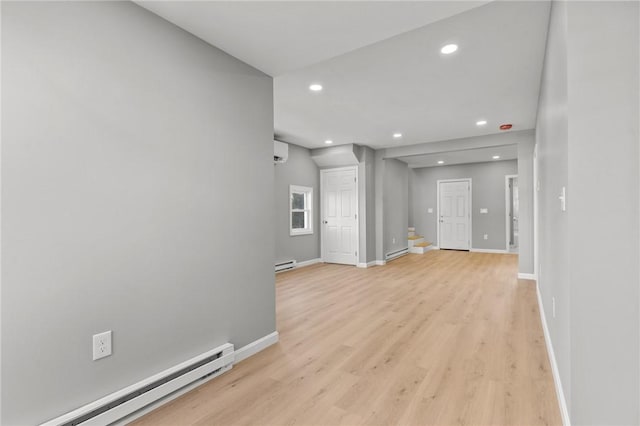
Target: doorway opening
(512, 206)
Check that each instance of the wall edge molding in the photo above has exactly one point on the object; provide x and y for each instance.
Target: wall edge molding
(562, 403)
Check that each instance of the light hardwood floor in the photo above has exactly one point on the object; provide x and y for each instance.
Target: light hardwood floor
(443, 338)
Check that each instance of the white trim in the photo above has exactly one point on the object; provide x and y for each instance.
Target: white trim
(506, 209)
(496, 251)
(380, 262)
(357, 212)
(366, 265)
(526, 276)
(241, 354)
(256, 346)
(308, 204)
(564, 411)
(308, 262)
(469, 208)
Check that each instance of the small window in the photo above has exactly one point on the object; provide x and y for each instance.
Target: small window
(300, 210)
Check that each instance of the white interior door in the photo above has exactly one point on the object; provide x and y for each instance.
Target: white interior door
(339, 216)
(454, 215)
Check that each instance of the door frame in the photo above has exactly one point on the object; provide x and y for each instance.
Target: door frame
(506, 210)
(321, 215)
(469, 210)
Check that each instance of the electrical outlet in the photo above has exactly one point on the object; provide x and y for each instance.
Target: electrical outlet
(101, 345)
(430, 210)
(553, 306)
(393, 240)
(486, 236)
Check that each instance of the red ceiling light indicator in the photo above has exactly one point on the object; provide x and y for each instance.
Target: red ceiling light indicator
(506, 126)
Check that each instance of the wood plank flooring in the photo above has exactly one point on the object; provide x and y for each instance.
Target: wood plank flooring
(442, 338)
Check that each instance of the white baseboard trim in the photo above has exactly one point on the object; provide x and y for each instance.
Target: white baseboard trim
(525, 276)
(307, 263)
(366, 265)
(564, 411)
(241, 354)
(256, 346)
(380, 262)
(477, 250)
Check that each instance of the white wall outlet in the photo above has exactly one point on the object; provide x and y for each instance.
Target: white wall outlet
(486, 236)
(553, 306)
(430, 210)
(484, 211)
(101, 345)
(393, 240)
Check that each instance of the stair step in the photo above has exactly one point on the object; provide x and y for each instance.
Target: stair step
(423, 244)
(420, 249)
(411, 234)
(411, 229)
(412, 241)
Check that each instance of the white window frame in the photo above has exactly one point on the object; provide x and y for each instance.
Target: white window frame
(308, 204)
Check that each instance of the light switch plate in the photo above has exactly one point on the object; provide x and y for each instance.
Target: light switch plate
(563, 199)
(484, 211)
(429, 210)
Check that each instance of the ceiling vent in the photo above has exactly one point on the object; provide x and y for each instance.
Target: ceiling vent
(280, 152)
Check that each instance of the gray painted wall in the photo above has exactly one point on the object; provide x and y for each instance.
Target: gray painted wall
(379, 205)
(587, 136)
(603, 207)
(552, 156)
(396, 205)
(391, 204)
(134, 160)
(366, 207)
(488, 180)
(301, 170)
(525, 207)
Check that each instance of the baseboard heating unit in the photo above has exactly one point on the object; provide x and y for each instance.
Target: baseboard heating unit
(397, 253)
(284, 266)
(124, 402)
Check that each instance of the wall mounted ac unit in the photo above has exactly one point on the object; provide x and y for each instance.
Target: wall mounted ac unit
(280, 152)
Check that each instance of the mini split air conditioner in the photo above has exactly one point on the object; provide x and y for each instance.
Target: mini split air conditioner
(280, 152)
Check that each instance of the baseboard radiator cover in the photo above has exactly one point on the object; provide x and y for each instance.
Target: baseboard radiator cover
(397, 253)
(286, 265)
(124, 402)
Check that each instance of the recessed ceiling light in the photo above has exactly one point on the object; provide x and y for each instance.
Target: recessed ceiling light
(440, 162)
(481, 122)
(449, 49)
(397, 135)
(496, 157)
(315, 87)
(328, 141)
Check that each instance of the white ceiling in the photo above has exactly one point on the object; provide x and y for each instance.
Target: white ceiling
(380, 64)
(281, 36)
(479, 155)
